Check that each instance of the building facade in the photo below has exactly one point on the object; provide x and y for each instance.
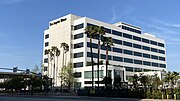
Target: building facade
(132, 51)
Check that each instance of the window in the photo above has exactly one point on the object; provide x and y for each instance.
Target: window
(46, 44)
(116, 33)
(78, 64)
(145, 40)
(146, 55)
(154, 64)
(130, 69)
(127, 43)
(137, 54)
(160, 44)
(154, 57)
(78, 55)
(45, 68)
(115, 58)
(162, 58)
(153, 42)
(107, 30)
(154, 50)
(118, 50)
(138, 62)
(162, 65)
(128, 52)
(93, 45)
(131, 29)
(78, 45)
(104, 48)
(104, 57)
(88, 82)
(46, 60)
(128, 60)
(127, 36)
(46, 36)
(76, 27)
(136, 38)
(162, 51)
(137, 46)
(77, 36)
(95, 55)
(138, 69)
(88, 74)
(146, 63)
(77, 74)
(146, 48)
(117, 41)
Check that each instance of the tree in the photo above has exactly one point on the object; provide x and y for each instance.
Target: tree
(65, 47)
(68, 75)
(99, 32)
(57, 56)
(48, 52)
(108, 42)
(117, 82)
(135, 81)
(36, 69)
(90, 31)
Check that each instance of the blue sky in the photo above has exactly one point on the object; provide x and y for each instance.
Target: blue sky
(22, 23)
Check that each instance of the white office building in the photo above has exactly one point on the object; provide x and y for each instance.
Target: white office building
(132, 52)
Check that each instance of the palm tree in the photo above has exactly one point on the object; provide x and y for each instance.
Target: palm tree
(108, 42)
(57, 55)
(47, 52)
(90, 30)
(100, 33)
(65, 47)
(54, 49)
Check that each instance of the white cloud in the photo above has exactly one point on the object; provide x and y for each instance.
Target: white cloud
(12, 1)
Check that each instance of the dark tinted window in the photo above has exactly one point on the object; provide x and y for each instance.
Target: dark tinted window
(153, 42)
(104, 57)
(137, 62)
(77, 36)
(77, 55)
(162, 65)
(154, 57)
(107, 30)
(128, 60)
(154, 64)
(127, 43)
(76, 27)
(118, 50)
(146, 48)
(46, 36)
(117, 41)
(45, 68)
(93, 45)
(104, 48)
(128, 52)
(161, 58)
(46, 44)
(116, 33)
(145, 40)
(78, 64)
(78, 45)
(154, 50)
(131, 29)
(161, 44)
(77, 74)
(162, 51)
(146, 55)
(127, 36)
(129, 69)
(137, 54)
(137, 46)
(46, 60)
(146, 63)
(115, 58)
(136, 38)
(95, 55)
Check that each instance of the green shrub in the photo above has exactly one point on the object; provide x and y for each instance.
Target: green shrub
(148, 95)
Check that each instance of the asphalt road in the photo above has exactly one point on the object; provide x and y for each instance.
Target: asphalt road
(60, 98)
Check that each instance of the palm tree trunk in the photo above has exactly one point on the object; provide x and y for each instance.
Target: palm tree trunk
(106, 64)
(98, 59)
(48, 66)
(56, 70)
(92, 63)
(63, 59)
(54, 73)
